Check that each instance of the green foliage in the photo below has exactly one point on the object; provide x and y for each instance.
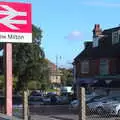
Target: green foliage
(51, 90)
(28, 60)
(2, 81)
(28, 63)
(67, 76)
(43, 86)
(32, 85)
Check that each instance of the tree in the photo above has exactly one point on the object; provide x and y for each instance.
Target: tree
(27, 59)
(67, 76)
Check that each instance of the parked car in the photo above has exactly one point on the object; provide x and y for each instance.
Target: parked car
(113, 108)
(97, 106)
(64, 100)
(17, 100)
(46, 100)
(94, 99)
(35, 101)
(74, 104)
(49, 94)
(35, 93)
(91, 95)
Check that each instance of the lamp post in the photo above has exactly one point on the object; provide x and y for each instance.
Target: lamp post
(57, 72)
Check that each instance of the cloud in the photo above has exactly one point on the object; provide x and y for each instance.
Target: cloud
(101, 4)
(74, 35)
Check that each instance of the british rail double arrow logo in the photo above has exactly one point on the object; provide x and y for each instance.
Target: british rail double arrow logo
(8, 20)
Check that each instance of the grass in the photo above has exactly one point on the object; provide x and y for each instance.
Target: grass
(51, 90)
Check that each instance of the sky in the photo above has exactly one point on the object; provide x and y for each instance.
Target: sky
(67, 24)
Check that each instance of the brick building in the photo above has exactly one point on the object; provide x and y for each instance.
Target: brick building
(98, 64)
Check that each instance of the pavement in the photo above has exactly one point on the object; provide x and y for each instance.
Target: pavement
(54, 117)
(59, 112)
(71, 117)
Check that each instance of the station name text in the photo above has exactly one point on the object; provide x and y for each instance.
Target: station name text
(12, 36)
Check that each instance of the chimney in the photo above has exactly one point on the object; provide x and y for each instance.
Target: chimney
(97, 30)
(88, 44)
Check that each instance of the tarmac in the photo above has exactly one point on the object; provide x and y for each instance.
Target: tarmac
(55, 117)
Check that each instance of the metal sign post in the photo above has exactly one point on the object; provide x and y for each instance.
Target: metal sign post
(8, 78)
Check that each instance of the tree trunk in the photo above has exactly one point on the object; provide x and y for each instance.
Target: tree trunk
(25, 104)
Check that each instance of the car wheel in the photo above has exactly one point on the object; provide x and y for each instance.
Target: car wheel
(99, 110)
(118, 113)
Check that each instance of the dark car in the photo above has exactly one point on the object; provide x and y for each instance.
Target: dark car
(50, 94)
(35, 93)
(35, 101)
(17, 100)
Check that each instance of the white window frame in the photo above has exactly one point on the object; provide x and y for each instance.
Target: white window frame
(85, 67)
(115, 37)
(104, 66)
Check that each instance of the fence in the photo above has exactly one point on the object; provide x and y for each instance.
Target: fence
(98, 106)
(103, 105)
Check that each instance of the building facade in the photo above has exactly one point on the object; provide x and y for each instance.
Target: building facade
(54, 74)
(99, 61)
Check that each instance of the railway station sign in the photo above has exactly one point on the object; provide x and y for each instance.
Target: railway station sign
(15, 22)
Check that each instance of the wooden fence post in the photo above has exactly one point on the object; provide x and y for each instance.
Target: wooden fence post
(82, 105)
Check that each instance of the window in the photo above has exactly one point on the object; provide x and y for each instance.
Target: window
(85, 66)
(115, 37)
(95, 41)
(118, 35)
(104, 67)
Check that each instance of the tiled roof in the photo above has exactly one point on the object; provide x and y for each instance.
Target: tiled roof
(106, 49)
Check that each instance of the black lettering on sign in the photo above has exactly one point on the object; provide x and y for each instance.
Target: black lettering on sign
(19, 37)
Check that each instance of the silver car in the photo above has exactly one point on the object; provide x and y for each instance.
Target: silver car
(114, 107)
(75, 103)
(98, 106)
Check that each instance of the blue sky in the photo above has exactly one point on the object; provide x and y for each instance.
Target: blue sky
(67, 24)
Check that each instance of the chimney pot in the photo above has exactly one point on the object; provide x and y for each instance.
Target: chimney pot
(97, 30)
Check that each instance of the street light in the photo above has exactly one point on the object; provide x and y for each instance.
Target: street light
(57, 70)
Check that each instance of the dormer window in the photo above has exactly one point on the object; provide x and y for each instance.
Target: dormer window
(95, 41)
(115, 37)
